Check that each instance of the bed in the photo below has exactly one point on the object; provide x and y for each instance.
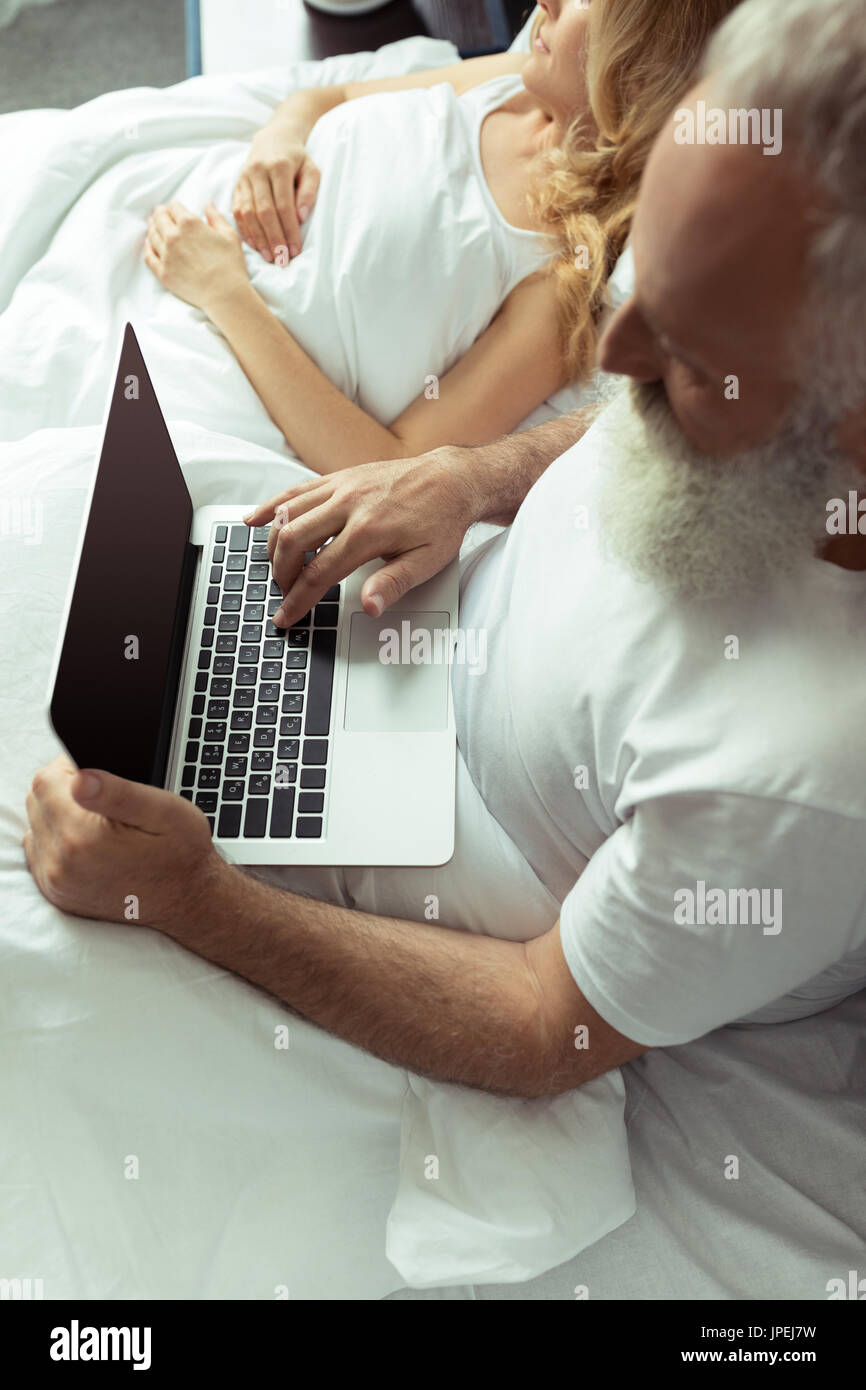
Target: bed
(171, 1132)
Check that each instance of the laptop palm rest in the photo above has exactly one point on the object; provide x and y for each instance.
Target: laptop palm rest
(398, 675)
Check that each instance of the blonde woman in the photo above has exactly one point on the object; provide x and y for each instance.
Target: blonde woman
(426, 257)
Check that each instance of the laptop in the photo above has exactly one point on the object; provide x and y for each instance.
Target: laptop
(300, 746)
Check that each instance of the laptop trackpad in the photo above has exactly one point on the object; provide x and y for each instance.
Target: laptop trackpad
(398, 673)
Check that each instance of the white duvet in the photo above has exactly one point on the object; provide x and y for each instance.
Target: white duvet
(156, 1141)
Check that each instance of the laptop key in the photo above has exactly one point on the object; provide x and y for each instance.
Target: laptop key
(290, 728)
(315, 752)
(236, 767)
(260, 785)
(226, 643)
(229, 622)
(229, 826)
(249, 656)
(212, 755)
(213, 593)
(216, 574)
(298, 636)
(244, 699)
(327, 614)
(194, 730)
(259, 552)
(264, 738)
(209, 777)
(269, 692)
(261, 761)
(295, 680)
(233, 791)
(332, 596)
(266, 714)
(254, 612)
(247, 675)
(219, 554)
(220, 536)
(187, 792)
(210, 821)
(288, 749)
(258, 573)
(201, 680)
(261, 533)
(310, 803)
(188, 778)
(322, 659)
(239, 743)
(218, 709)
(308, 828)
(251, 632)
(273, 648)
(256, 594)
(293, 704)
(191, 754)
(295, 660)
(285, 774)
(256, 818)
(234, 584)
(215, 733)
(203, 660)
(207, 637)
(223, 665)
(231, 603)
(239, 538)
(271, 670)
(207, 801)
(242, 719)
(312, 776)
(282, 808)
(198, 704)
(235, 563)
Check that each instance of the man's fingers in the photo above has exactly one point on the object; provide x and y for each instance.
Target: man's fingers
(253, 233)
(396, 578)
(329, 566)
(268, 510)
(130, 803)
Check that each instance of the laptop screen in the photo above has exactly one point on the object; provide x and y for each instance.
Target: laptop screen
(117, 676)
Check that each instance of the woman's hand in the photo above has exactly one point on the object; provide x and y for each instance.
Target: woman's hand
(198, 261)
(275, 193)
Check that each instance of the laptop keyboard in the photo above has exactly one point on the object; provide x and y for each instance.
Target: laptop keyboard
(257, 745)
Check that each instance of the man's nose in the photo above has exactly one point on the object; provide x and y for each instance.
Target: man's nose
(627, 347)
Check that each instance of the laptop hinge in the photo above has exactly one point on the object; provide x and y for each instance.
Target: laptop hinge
(175, 661)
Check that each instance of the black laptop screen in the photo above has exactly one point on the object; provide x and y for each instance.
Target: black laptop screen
(117, 675)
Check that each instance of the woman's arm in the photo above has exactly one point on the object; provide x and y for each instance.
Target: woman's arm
(514, 365)
(277, 186)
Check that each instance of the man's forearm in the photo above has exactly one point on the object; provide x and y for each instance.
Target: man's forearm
(447, 1004)
(507, 469)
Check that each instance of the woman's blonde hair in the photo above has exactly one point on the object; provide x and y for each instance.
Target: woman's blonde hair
(642, 57)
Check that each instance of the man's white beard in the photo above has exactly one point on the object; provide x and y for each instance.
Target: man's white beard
(701, 527)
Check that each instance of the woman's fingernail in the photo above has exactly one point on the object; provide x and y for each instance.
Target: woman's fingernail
(376, 603)
(279, 619)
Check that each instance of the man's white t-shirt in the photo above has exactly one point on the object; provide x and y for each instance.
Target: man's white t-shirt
(687, 777)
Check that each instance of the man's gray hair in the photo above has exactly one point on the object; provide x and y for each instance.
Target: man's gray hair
(808, 58)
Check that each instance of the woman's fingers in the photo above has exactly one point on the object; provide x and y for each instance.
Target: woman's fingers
(307, 189)
(245, 215)
(263, 199)
(282, 186)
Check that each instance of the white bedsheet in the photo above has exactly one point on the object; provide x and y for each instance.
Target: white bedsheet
(157, 1143)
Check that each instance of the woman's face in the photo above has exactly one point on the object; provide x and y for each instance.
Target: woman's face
(555, 72)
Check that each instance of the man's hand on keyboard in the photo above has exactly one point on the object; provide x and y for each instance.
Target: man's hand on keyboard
(411, 513)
